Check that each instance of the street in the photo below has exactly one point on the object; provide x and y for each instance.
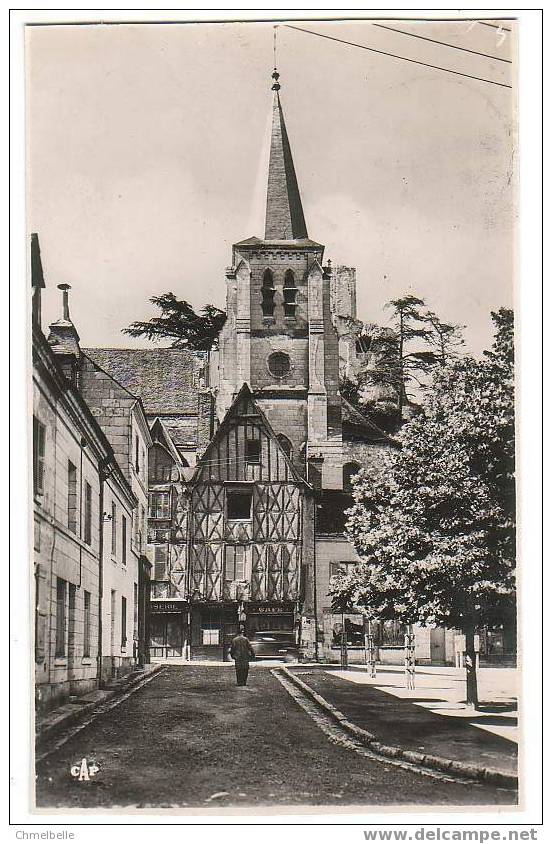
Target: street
(191, 738)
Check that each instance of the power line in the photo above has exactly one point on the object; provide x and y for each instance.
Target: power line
(442, 43)
(395, 56)
(494, 25)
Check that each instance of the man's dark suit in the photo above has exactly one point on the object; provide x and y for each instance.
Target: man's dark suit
(241, 652)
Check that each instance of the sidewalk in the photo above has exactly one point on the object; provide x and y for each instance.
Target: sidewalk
(430, 719)
(54, 721)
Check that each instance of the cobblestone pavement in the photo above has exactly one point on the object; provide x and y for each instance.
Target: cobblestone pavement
(191, 738)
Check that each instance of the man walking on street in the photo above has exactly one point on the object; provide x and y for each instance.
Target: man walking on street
(241, 652)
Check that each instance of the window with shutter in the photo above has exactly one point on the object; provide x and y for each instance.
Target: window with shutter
(39, 445)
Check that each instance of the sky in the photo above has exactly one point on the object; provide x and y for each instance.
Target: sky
(148, 151)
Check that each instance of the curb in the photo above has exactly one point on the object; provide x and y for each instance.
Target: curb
(437, 763)
(49, 731)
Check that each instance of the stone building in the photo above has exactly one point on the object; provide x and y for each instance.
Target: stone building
(75, 474)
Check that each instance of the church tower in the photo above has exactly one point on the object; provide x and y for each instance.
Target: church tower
(279, 338)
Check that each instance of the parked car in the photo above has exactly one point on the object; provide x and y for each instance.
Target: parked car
(274, 644)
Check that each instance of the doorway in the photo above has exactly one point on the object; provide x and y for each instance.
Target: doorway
(166, 635)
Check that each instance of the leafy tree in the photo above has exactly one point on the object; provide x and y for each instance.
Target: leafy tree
(435, 527)
(180, 323)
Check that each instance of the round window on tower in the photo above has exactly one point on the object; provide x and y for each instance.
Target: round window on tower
(279, 364)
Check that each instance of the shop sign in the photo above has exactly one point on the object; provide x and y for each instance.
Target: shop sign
(166, 606)
(270, 610)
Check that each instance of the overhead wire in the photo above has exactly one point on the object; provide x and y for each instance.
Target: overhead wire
(442, 43)
(494, 26)
(396, 56)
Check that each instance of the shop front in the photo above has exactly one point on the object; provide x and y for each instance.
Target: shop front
(214, 625)
(270, 616)
(168, 629)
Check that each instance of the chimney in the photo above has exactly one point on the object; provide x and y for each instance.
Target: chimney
(37, 280)
(205, 420)
(64, 339)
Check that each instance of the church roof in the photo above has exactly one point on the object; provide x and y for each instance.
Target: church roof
(163, 378)
(284, 212)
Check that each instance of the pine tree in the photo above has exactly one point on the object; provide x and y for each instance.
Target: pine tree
(180, 323)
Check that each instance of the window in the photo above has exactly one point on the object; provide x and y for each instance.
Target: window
(113, 619)
(61, 617)
(290, 294)
(72, 497)
(238, 503)
(363, 344)
(210, 635)
(142, 532)
(87, 513)
(72, 621)
(160, 505)
(136, 526)
(135, 616)
(235, 563)
(354, 630)
(123, 622)
(39, 441)
(279, 364)
(113, 529)
(267, 294)
(86, 635)
(161, 466)
(123, 540)
(253, 451)
(389, 633)
(285, 444)
(349, 471)
(160, 563)
(341, 568)
(137, 455)
(40, 620)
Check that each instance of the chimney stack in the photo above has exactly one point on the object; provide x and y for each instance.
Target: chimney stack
(64, 339)
(37, 280)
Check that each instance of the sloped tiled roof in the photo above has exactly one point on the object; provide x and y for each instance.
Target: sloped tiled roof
(162, 378)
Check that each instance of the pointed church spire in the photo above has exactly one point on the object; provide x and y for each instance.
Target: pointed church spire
(284, 212)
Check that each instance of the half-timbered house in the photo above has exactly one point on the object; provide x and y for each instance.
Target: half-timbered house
(249, 551)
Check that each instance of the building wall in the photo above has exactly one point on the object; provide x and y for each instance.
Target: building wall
(61, 553)
(121, 579)
(111, 405)
(369, 455)
(122, 420)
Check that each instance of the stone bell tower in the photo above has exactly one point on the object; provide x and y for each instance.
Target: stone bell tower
(279, 337)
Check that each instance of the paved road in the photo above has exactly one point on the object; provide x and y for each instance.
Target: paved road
(190, 734)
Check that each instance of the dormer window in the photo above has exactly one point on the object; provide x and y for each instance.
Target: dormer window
(290, 294)
(267, 294)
